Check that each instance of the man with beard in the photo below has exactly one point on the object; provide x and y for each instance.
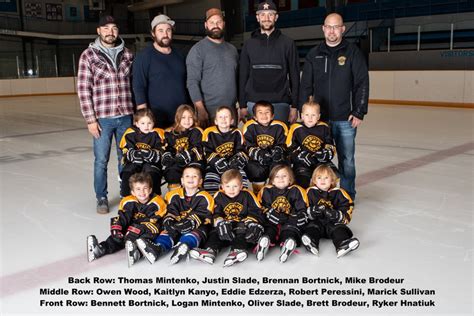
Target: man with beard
(108, 112)
(335, 73)
(159, 74)
(269, 68)
(212, 70)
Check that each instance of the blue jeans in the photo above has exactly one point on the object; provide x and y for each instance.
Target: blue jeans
(111, 127)
(344, 137)
(282, 110)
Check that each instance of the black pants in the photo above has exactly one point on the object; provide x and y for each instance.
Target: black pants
(336, 232)
(131, 168)
(239, 242)
(281, 232)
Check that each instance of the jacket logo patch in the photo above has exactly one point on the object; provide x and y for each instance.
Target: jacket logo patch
(341, 60)
(232, 211)
(225, 149)
(264, 141)
(181, 144)
(312, 143)
(282, 205)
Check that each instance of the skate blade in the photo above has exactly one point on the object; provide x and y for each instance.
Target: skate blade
(142, 247)
(353, 245)
(287, 250)
(195, 255)
(130, 253)
(239, 258)
(307, 244)
(90, 249)
(263, 245)
(182, 251)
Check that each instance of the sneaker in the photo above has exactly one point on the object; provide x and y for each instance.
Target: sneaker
(181, 250)
(94, 249)
(347, 246)
(262, 247)
(234, 256)
(150, 250)
(102, 206)
(310, 245)
(205, 255)
(287, 249)
(133, 254)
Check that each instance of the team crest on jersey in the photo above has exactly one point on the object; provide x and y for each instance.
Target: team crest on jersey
(226, 149)
(341, 60)
(181, 144)
(233, 210)
(142, 146)
(326, 203)
(264, 141)
(312, 142)
(282, 205)
(138, 215)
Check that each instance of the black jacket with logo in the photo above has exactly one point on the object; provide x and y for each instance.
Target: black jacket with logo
(269, 69)
(338, 79)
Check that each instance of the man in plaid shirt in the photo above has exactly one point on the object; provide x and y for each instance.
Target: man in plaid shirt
(105, 95)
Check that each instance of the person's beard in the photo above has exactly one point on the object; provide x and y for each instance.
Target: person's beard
(263, 27)
(108, 39)
(215, 33)
(161, 42)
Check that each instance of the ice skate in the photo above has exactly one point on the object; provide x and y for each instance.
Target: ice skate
(234, 256)
(347, 246)
(181, 251)
(150, 250)
(262, 247)
(133, 254)
(205, 255)
(94, 249)
(310, 245)
(287, 249)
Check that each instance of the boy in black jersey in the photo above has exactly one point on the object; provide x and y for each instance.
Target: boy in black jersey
(139, 215)
(142, 147)
(187, 221)
(310, 143)
(265, 143)
(329, 212)
(237, 218)
(224, 148)
(183, 146)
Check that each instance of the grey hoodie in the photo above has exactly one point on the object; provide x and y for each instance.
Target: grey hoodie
(112, 52)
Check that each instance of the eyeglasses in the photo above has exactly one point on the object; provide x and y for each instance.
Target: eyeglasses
(333, 27)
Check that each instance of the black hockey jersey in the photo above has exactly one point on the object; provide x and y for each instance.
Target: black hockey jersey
(217, 144)
(190, 139)
(131, 211)
(310, 139)
(242, 208)
(289, 201)
(336, 198)
(134, 139)
(199, 207)
(265, 137)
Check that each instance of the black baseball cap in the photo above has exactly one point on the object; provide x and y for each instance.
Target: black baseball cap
(266, 6)
(107, 19)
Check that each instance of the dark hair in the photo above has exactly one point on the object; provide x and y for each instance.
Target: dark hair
(263, 104)
(179, 113)
(277, 168)
(143, 113)
(141, 177)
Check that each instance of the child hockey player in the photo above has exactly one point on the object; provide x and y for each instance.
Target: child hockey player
(265, 142)
(224, 149)
(142, 147)
(310, 143)
(285, 207)
(237, 217)
(329, 212)
(139, 215)
(183, 146)
(189, 214)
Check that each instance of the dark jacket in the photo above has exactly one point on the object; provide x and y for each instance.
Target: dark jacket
(338, 79)
(266, 64)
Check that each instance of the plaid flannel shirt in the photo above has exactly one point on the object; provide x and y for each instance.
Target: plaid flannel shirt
(104, 91)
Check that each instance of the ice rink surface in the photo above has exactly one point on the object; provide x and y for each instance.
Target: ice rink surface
(413, 217)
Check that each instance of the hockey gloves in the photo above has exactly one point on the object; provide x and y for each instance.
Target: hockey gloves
(300, 219)
(183, 158)
(334, 216)
(221, 165)
(224, 229)
(134, 156)
(316, 212)
(167, 159)
(324, 155)
(238, 161)
(186, 225)
(169, 224)
(275, 217)
(116, 232)
(262, 156)
(254, 231)
(305, 158)
(134, 232)
(151, 156)
(278, 154)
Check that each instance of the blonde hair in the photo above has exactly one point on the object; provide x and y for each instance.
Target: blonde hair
(322, 170)
(311, 103)
(276, 169)
(141, 177)
(230, 175)
(143, 113)
(179, 114)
